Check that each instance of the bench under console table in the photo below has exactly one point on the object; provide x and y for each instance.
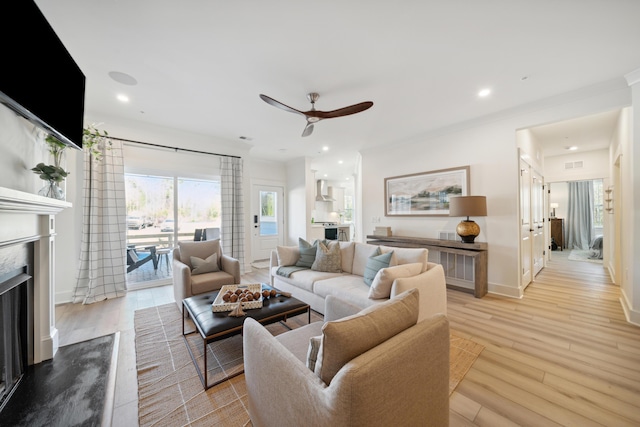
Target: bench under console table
(465, 264)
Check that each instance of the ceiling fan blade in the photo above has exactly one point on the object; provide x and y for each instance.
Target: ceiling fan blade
(346, 111)
(308, 129)
(280, 105)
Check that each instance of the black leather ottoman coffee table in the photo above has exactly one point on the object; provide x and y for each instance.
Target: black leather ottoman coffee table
(214, 326)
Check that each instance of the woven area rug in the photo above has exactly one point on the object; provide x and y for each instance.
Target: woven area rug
(170, 392)
(260, 264)
(584, 255)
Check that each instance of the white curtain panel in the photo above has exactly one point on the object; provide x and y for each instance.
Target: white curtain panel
(579, 224)
(232, 235)
(102, 271)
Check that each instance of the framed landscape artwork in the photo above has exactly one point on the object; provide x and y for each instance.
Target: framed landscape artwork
(426, 193)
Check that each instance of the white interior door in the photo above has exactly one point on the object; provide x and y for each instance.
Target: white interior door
(525, 223)
(267, 220)
(537, 218)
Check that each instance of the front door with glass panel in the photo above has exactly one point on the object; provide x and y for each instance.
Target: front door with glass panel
(266, 220)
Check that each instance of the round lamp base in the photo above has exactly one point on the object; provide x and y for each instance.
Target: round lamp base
(468, 231)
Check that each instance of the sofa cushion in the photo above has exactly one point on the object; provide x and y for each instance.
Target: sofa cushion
(347, 338)
(348, 287)
(201, 266)
(347, 250)
(375, 263)
(361, 254)
(208, 282)
(328, 258)
(287, 255)
(381, 285)
(408, 256)
(297, 340)
(307, 253)
(306, 279)
(200, 249)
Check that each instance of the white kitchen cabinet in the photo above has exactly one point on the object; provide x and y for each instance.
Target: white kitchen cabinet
(338, 194)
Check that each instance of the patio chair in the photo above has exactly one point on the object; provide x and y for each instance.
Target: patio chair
(134, 260)
(211, 234)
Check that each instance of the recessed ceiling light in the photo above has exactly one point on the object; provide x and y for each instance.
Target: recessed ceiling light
(346, 179)
(572, 148)
(484, 92)
(246, 138)
(122, 98)
(325, 175)
(325, 148)
(340, 162)
(123, 78)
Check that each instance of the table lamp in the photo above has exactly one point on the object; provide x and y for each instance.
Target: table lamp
(553, 206)
(468, 206)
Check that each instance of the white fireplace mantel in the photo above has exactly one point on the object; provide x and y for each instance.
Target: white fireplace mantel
(26, 217)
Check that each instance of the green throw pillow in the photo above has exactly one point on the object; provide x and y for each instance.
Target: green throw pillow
(307, 253)
(376, 262)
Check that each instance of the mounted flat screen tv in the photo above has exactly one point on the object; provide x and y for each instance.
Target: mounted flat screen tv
(38, 78)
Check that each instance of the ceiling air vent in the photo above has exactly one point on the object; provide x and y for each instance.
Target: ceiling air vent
(574, 165)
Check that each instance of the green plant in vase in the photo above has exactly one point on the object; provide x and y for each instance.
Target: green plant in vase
(54, 174)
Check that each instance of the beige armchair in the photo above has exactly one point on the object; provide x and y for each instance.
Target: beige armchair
(377, 368)
(210, 276)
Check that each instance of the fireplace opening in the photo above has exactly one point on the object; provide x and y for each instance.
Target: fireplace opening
(16, 329)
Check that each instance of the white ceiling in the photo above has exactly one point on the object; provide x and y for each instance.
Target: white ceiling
(201, 64)
(585, 133)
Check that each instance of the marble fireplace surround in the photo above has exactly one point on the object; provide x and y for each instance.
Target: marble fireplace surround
(25, 218)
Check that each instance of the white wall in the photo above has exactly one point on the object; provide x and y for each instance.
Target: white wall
(296, 200)
(491, 151)
(628, 195)
(596, 166)
(23, 146)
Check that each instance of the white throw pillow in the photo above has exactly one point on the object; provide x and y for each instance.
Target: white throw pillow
(208, 265)
(287, 255)
(381, 285)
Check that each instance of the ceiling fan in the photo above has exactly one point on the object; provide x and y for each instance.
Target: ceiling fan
(313, 115)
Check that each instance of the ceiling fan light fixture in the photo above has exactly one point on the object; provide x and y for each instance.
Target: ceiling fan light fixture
(314, 116)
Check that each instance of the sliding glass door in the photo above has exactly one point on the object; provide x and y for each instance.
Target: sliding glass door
(162, 210)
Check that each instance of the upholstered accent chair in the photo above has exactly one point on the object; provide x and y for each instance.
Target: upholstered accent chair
(200, 267)
(377, 367)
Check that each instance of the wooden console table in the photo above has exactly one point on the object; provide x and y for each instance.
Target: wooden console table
(465, 264)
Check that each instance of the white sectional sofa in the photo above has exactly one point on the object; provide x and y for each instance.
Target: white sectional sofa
(409, 268)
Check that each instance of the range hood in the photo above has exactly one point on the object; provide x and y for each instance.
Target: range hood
(322, 192)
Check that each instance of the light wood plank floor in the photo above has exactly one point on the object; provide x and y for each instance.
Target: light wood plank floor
(561, 356)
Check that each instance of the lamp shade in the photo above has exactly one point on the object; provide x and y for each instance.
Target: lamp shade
(468, 206)
(553, 205)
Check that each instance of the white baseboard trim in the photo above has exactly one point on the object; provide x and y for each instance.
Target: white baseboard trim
(504, 290)
(632, 315)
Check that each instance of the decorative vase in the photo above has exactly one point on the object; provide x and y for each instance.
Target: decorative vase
(52, 190)
(60, 160)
